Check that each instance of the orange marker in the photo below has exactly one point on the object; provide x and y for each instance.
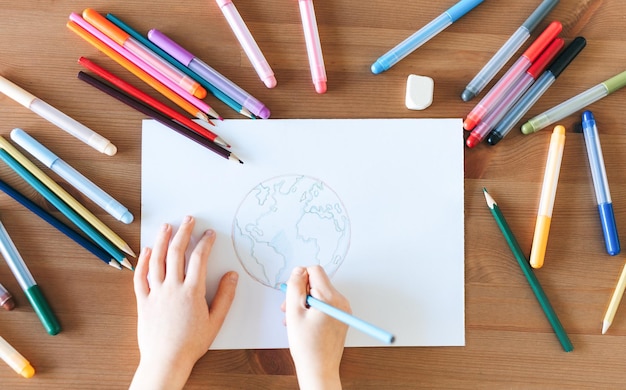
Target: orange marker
(148, 56)
(137, 71)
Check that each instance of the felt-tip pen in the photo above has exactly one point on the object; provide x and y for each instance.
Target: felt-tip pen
(536, 90)
(600, 183)
(575, 103)
(27, 282)
(423, 35)
(507, 50)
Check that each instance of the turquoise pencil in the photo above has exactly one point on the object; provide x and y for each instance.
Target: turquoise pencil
(72, 215)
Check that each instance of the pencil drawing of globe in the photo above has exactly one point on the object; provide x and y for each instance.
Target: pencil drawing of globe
(290, 221)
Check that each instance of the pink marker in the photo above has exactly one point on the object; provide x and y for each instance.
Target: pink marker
(202, 106)
(491, 120)
(247, 42)
(313, 47)
(499, 90)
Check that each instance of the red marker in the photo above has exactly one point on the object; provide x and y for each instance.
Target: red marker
(508, 80)
(491, 120)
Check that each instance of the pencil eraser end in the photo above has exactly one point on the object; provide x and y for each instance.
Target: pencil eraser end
(110, 150)
(419, 92)
(270, 81)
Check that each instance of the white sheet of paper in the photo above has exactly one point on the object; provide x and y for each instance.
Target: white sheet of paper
(400, 182)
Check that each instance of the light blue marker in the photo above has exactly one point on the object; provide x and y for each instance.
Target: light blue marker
(600, 183)
(75, 178)
(423, 35)
(346, 318)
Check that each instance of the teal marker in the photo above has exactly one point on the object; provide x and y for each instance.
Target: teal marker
(575, 103)
(27, 283)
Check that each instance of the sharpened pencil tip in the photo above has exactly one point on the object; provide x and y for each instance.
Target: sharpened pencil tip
(113, 263)
(127, 264)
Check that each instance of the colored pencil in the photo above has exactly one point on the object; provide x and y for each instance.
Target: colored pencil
(119, 95)
(59, 225)
(616, 298)
(210, 87)
(528, 272)
(137, 71)
(65, 196)
(150, 101)
(64, 208)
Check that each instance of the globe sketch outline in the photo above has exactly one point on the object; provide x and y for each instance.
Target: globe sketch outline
(287, 221)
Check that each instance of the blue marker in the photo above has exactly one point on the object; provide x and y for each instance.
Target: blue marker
(423, 35)
(346, 318)
(75, 178)
(600, 183)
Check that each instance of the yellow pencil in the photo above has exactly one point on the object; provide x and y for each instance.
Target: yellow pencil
(137, 71)
(615, 300)
(66, 197)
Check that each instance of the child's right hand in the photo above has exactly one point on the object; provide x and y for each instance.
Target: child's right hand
(316, 340)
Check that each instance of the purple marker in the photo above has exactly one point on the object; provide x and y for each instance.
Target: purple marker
(209, 74)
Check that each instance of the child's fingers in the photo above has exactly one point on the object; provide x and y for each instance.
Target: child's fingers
(159, 251)
(175, 263)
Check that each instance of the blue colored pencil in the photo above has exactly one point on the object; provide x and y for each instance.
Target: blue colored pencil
(346, 318)
(72, 215)
(57, 223)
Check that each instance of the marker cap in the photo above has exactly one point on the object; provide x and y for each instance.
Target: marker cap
(16, 93)
(542, 62)
(616, 82)
(564, 59)
(42, 308)
(104, 25)
(33, 147)
(169, 46)
(607, 218)
(461, 8)
(543, 40)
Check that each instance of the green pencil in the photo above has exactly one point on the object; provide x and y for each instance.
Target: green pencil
(528, 272)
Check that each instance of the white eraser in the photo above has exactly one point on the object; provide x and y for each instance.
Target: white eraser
(419, 92)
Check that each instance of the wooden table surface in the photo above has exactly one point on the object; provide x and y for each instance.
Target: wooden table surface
(510, 344)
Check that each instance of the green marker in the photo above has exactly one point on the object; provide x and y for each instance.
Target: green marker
(559, 331)
(27, 283)
(575, 103)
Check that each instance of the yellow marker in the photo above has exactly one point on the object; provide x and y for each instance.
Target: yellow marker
(66, 197)
(548, 193)
(15, 360)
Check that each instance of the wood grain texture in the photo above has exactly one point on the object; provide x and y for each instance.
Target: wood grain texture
(509, 342)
